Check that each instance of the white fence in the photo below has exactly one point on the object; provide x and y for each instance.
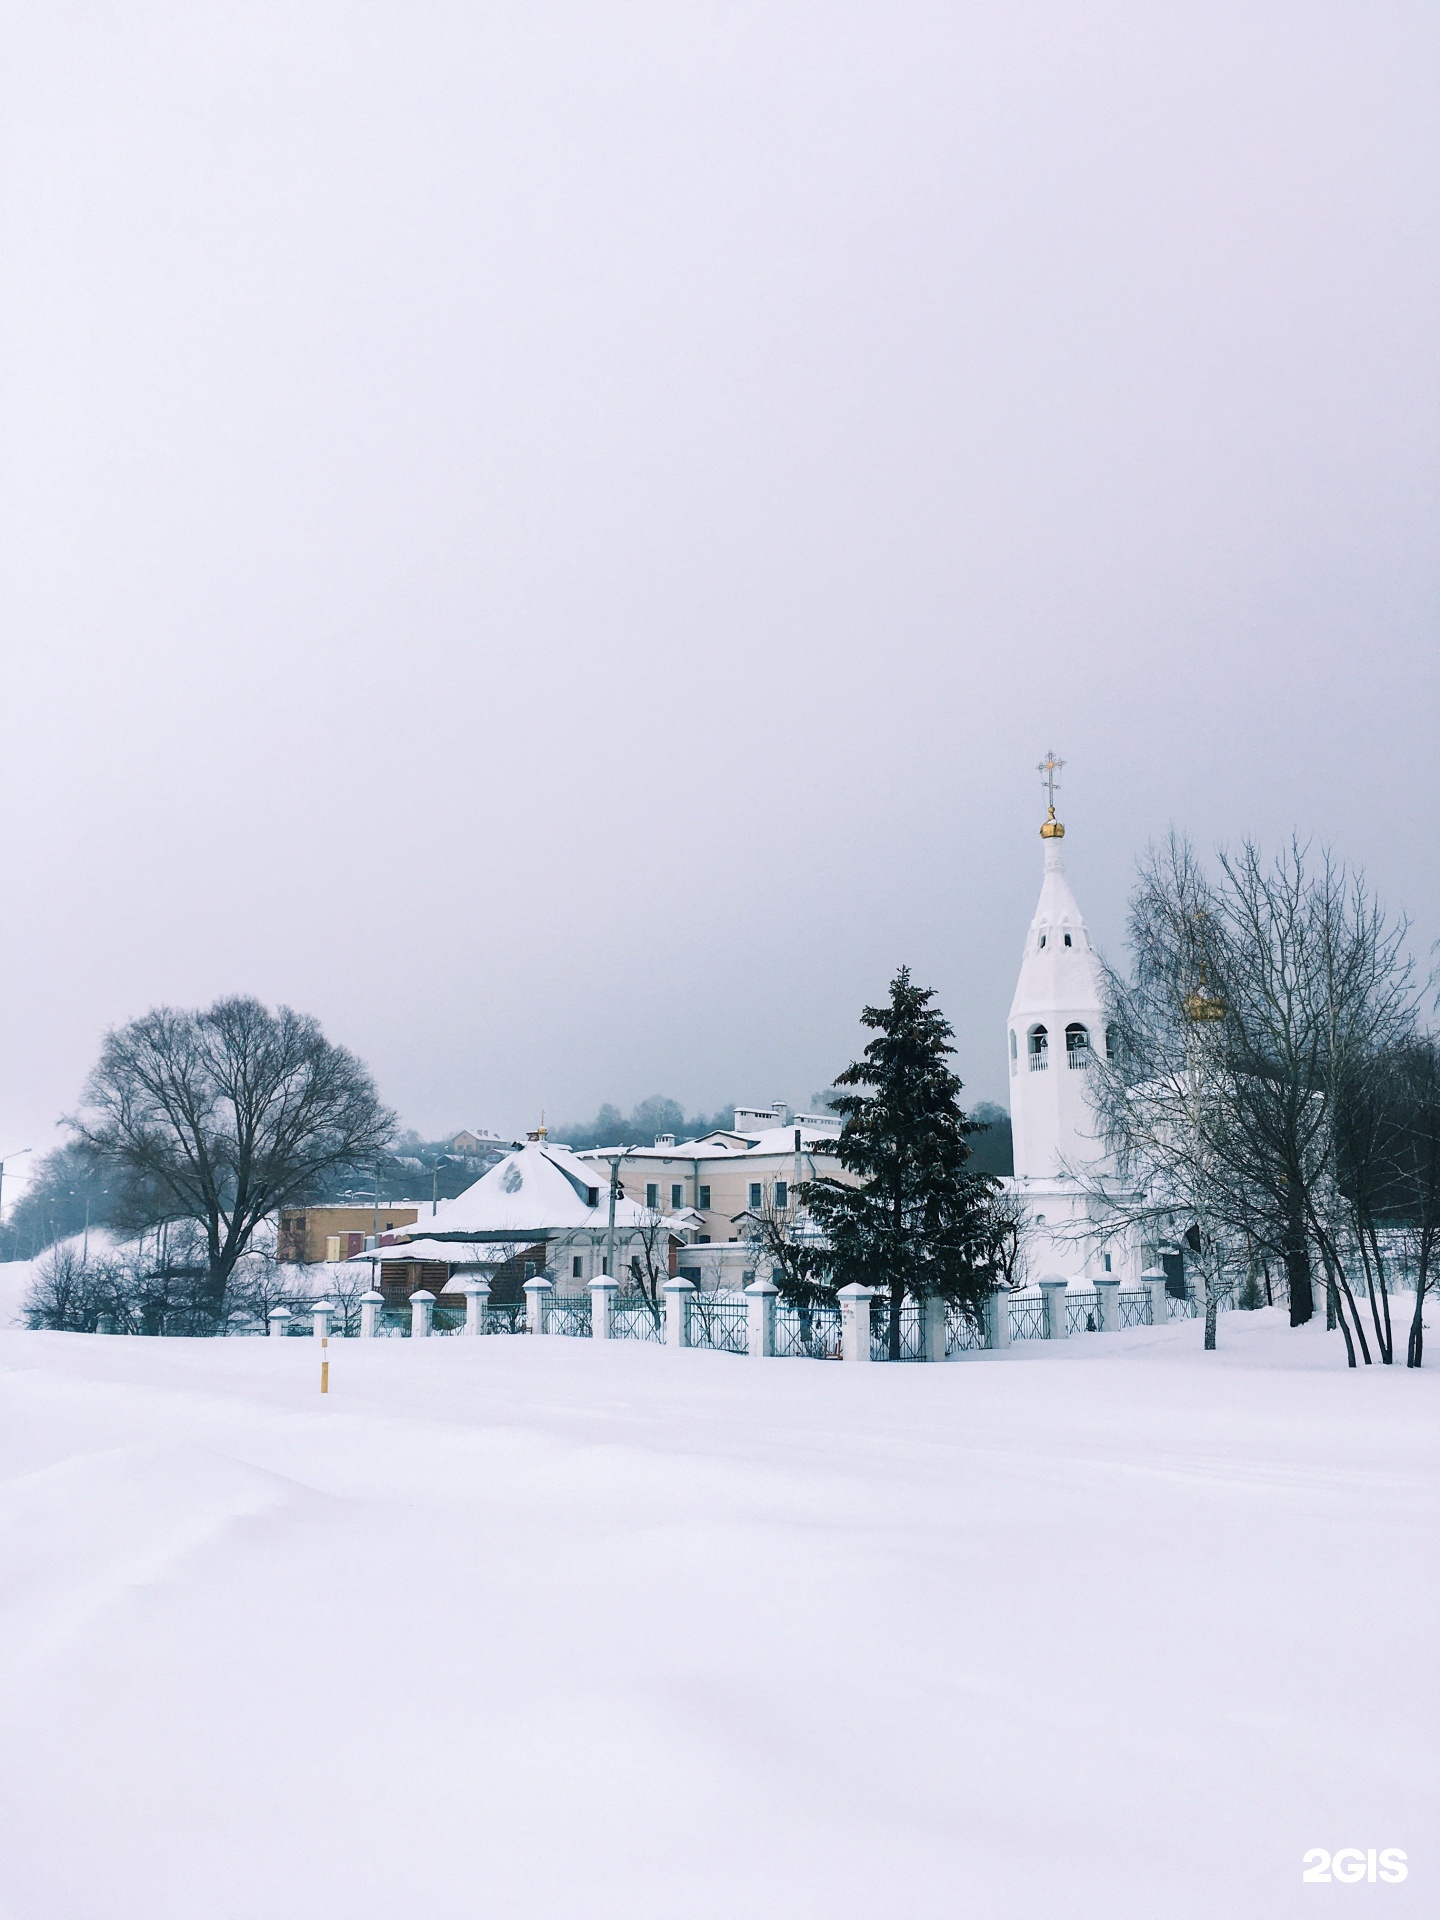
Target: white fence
(758, 1323)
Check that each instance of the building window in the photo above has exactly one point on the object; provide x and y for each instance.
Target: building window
(755, 1196)
(1077, 1044)
(1107, 1263)
(592, 1196)
(702, 1199)
(529, 1269)
(1039, 1049)
(782, 1195)
(702, 1239)
(1042, 940)
(577, 1267)
(652, 1197)
(1112, 1043)
(677, 1197)
(1068, 940)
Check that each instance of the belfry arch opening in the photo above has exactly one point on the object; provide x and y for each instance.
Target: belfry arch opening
(1039, 1049)
(1077, 1044)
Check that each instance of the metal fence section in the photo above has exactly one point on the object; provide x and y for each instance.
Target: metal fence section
(1134, 1307)
(568, 1313)
(1189, 1307)
(811, 1336)
(1082, 1313)
(910, 1334)
(508, 1317)
(637, 1317)
(718, 1321)
(962, 1335)
(1027, 1318)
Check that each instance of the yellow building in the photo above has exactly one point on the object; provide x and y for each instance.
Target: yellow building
(304, 1231)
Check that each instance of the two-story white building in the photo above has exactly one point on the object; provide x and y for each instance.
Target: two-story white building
(717, 1184)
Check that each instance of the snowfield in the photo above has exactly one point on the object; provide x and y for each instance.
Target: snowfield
(534, 1628)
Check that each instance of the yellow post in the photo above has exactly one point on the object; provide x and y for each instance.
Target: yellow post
(324, 1367)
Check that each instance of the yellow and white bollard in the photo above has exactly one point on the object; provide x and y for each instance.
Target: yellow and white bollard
(324, 1365)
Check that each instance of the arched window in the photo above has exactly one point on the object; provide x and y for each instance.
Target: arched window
(1077, 1044)
(1042, 940)
(1014, 1053)
(1112, 1043)
(1068, 941)
(1039, 1049)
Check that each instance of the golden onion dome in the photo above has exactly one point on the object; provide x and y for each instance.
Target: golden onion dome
(1202, 1004)
(1052, 829)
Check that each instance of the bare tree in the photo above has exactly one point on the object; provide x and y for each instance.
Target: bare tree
(1006, 1232)
(1254, 1004)
(1416, 1193)
(259, 1283)
(221, 1116)
(68, 1294)
(650, 1262)
(799, 1260)
(797, 1256)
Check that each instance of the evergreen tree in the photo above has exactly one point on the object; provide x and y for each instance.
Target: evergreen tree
(918, 1221)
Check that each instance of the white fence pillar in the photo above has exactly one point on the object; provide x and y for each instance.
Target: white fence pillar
(320, 1318)
(1052, 1292)
(537, 1293)
(1154, 1279)
(997, 1318)
(602, 1306)
(422, 1313)
(477, 1298)
(372, 1305)
(855, 1320)
(760, 1298)
(934, 1326)
(678, 1295)
(279, 1322)
(1109, 1295)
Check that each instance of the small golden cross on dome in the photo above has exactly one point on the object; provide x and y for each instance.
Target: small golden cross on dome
(1049, 767)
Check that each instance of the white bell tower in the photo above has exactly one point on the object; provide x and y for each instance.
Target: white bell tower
(1055, 1030)
(1057, 1022)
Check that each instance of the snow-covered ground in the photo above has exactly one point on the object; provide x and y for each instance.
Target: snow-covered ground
(535, 1628)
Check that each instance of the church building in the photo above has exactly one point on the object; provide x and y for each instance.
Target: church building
(1057, 1030)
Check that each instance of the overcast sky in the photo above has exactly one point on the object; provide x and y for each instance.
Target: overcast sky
(554, 536)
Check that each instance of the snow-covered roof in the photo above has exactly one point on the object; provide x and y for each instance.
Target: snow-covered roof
(539, 1188)
(724, 1144)
(456, 1253)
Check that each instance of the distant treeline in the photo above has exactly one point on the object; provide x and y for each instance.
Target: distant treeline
(991, 1151)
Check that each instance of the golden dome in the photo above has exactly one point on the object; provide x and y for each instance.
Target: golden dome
(1052, 829)
(1202, 1004)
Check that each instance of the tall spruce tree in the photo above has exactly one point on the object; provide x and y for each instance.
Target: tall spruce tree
(918, 1221)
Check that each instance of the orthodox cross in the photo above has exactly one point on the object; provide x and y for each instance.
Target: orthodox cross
(1050, 766)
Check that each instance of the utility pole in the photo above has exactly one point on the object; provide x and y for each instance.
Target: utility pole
(614, 1195)
(19, 1152)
